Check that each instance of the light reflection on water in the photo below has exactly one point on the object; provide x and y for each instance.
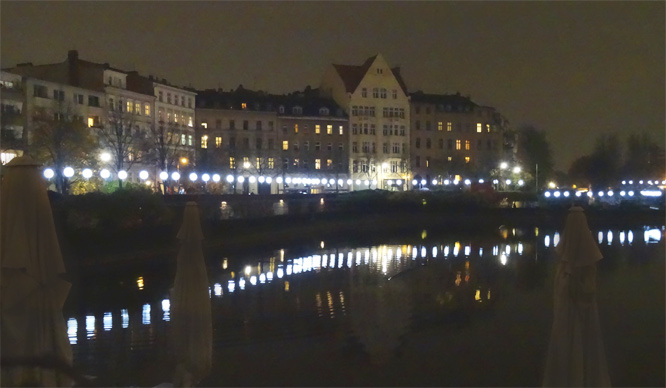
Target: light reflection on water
(315, 284)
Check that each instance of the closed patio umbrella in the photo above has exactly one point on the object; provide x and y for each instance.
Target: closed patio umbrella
(32, 291)
(191, 315)
(576, 356)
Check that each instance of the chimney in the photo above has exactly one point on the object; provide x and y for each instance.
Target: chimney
(73, 67)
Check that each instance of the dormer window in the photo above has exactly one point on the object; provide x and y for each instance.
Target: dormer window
(243, 105)
(297, 110)
(281, 109)
(323, 111)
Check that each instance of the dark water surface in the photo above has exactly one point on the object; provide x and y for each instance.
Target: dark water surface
(424, 310)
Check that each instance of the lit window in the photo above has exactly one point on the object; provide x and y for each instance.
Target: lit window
(175, 117)
(285, 145)
(466, 159)
(329, 129)
(91, 121)
(449, 126)
(458, 144)
(246, 161)
(340, 130)
(243, 106)
(427, 162)
(295, 128)
(183, 139)
(130, 106)
(189, 139)
(190, 121)
(440, 126)
(487, 127)
(271, 163)
(317, 164)
(137, 108)
(317, 129)
(218, 141)
(203, 124)
(449, 158)
(329, 163)
(147, 110)
(232, 162)
(259, 163)
(479, 127)
(467, 144)
(204, 141)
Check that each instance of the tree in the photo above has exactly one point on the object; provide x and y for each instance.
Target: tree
(605, 160)
(60, 138)
(161, 146)
(122, 138)
(643, 158)
(533, 154)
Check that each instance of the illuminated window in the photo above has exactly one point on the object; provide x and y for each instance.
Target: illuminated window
(183, 139)
(243, 106)
(204, 141)
(317, 164)
(175, 117)
(427, 162)
(467, 144)
(479, 127)
(218, 141)
(246, 161)
(329, 129)
(91, 121)
(458, 144)
(203, 124)
(295, 128)
(449, 158)
(285, 145)
(487, 127)
(329, 163)
(137, 108)
(232, 162)
(449, 126)
(189, 139)
(130, 106)
(466, 159)
(340, 130)
(296, 163)
(271, 163)
(440, 126)
(189, 121)
(147, 110)
(259, 161)
(317, 129)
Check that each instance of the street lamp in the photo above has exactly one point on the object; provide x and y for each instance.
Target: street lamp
(87, 173)
(205, 178)
(164, 175)
(105, 174)
(49, 173)
(175, 175)
(143, 175)
(105, 157)
(122, 175)
(516, 170)
(68, 172)
(504, 165)
(193, 176)
(216, 178)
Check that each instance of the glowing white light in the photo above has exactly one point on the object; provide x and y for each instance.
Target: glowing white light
(278, 180)
(48, 174)
(317, 181)
(434, 251)
(507, 249)
(269, 180)
(358, 182)
(414, 182)
(600, 236)
(600, 194)
(547, 194)
(434, 182)
(446, 181)
(324, 181)
(145, 316)
(231, 286)
(481, 181)
(87, 173)
(468, 250)
(175, 175)
(288, 180)
(253, 280)
(589, 194)
(622, 237)
(495, 181)
(205, 177)
(125, 318)
(367, 182)
(521, 182)
(340, 182)
(398, 182)
(652, 235)
(609, 237)
(105, 174)
(193, 176)
(610, 193)
(423, 252)
(623, 193)
(556, 194)
(508, 181)
(389, 182)
(262, 278)
(217, 289)
(503, 165)
(556, 239)
(631, 193)
(107, 321)
(230, 178)
(68, 172)
(624, 182)
(468, 182)
(240, 179)
(546, 241)
(122, 174)
(566, 194)
(241, 283)
(630, 237)
(90, 325)
(280, 273)
(166, 305)
(503, 259)
(72, 328)
(105, 156)
(631, 182)
(164, 175)
(650, 182)
(269, 276)
(143, 175)
(253, 179)
(520, 248)
(423, 182)
(516, 170)
(640, 182)
(651, 193)
(578, 193)
(446, 251)
(349, 182)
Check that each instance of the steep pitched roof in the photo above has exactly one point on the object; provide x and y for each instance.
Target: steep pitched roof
(352, 75)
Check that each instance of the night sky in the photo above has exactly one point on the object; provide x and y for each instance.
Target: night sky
(573, 69)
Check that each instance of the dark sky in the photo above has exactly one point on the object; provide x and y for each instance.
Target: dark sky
(573, 69)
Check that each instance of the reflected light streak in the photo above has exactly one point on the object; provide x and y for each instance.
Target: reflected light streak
(166, 308)
(145, 314)
(600, 237)
(468, 250)
(231, 285)
(423, 252)
(415, 253)
(107, 321)
(630, 237)
(556, 239)
(503, 259)
(520, 248)
(72, 328)
(546, 241)
(609, 237)
(217, 289)
(90, 326)
(125, 318)
(622, 237)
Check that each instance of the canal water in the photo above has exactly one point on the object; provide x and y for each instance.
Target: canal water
(425, 309)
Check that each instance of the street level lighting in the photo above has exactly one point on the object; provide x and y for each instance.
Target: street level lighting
(49, 173)
(164, 175)
(175, 175)
(143, 175)
(193, 176)
(205, 178)
(68, 172)
(516, 170)
(504, 165)
(105, 174)
(122, 175)
(87, 173)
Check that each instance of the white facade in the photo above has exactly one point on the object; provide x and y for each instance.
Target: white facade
(175, 108)
(378, 109)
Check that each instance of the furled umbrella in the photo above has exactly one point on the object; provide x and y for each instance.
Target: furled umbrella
(576, 356)
(191, 315)
(32, 290)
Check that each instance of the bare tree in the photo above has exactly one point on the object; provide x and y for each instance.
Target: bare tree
(161, 146)
(123, 138)
(59, 137)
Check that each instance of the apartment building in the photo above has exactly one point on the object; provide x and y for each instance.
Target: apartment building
(375, 98)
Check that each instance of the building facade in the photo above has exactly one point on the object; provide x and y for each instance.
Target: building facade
(12, 97)
(453, 136)
(375, 98)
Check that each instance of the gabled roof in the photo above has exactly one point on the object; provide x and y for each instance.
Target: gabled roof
(352, 75)
(455, 101)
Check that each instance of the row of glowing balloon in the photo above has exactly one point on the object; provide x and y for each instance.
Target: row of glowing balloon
(467, 182)
(601, 194)
(655, 182)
